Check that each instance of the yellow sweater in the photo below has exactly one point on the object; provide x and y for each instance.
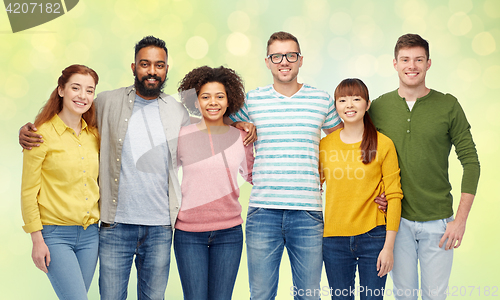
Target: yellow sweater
(351, 186)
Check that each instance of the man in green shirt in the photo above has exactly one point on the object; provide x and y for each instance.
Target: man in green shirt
(423, 124)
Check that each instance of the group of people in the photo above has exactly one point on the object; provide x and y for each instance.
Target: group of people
(116, 158)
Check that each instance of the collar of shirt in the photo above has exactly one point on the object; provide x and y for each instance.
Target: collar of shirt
(60, 126)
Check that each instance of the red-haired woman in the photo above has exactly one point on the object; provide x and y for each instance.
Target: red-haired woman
(59, 197)
(358, 164)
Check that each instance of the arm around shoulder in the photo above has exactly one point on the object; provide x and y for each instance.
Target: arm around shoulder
(28, 138)
(330, 130)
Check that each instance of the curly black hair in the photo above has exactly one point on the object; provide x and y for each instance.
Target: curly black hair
(195, 79)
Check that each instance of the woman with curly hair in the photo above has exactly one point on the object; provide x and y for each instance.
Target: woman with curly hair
(59, 191)
(208, 239)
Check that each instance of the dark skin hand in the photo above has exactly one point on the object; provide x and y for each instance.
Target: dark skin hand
(28, 138)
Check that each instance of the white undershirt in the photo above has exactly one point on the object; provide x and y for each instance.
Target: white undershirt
(410, 104)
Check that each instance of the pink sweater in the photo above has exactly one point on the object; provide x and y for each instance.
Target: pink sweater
(210, 190)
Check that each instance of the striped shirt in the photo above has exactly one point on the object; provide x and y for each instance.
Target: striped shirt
(285, 173)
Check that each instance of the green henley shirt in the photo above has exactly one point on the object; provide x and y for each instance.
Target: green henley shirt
(423, 139)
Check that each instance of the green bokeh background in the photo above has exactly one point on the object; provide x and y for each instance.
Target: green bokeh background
(338, 39)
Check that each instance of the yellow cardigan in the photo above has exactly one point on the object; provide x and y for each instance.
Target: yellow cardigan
(59, 182)
(351, 186)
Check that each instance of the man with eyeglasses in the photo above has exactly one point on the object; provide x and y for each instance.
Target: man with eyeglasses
(285, 208)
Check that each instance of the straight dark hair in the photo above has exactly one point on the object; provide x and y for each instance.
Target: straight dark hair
(356, 87)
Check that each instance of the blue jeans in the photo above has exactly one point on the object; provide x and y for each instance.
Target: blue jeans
(118, 244)
(73, 258)
(208, 262)
(343, 253)
(419, 241)
(268, 231)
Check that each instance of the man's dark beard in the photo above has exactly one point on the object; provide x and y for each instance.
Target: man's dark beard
(145, 91)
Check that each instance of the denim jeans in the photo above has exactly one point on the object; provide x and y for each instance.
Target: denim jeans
(419, 241)
(268, 231)
(118, 244)
(208, 262)
(343, 253)
(73, 258)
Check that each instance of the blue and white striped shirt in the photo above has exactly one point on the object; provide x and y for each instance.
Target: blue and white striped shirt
(285, 173)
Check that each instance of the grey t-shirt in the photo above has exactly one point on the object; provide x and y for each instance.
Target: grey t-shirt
(143, 187)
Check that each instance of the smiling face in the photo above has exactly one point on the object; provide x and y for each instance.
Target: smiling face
(150, 70)
(412, 65)
(77, 94)
(351, 109)
(284, 72)
(212, 103)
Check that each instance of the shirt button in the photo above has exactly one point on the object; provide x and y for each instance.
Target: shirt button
(83, 171)
(130, 101)
(126, 120)
(117, 159)
(86, 198)
(79, 145)
(408, 131)
(85, 184)
(408, 120)
(82, 157)
(114, 200)
(119, 140)
(116, 179)
(88, 212)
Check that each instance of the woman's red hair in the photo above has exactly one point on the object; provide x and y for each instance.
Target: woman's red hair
(55, 103)
(356, 87)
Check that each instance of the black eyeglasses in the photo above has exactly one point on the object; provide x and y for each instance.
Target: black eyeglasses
(277, 58)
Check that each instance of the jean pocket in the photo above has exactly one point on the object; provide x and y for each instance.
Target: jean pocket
(252, 211)
(107, 226)
(234, 228)
(315, 215)
(48, 229)
(167, 226)
(377, 232)
(446, 221)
